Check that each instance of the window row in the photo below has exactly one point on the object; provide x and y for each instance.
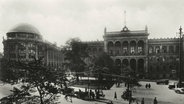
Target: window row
(163, 49)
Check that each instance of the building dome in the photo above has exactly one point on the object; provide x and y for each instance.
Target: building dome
(25, 28)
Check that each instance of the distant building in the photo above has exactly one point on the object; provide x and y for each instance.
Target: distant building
(24, 43)
(151, 58)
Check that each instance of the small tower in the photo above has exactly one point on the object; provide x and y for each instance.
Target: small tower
(146, 29)
(105, 30)
(125, 29)
(125, 18)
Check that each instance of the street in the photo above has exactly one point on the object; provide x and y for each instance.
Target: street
(163, 94)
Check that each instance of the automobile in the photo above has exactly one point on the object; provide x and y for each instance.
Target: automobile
(163, 81)
(182, 84)
(179, 90)
(172, 85)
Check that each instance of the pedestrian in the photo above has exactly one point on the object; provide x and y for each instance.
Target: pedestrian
(155, 101)
(142, 101)
(97, 95)
(85, 89)
(66, 97)
(115, 95)
(149, 85)
(71, 99)
(90, 93)
(93, 95)
(146, 86)
(137, 101)
(110, 102)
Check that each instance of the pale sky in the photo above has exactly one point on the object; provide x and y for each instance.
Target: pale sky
(59, 20)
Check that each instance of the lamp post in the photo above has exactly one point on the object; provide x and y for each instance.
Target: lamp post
(129, 91)
(180, 56)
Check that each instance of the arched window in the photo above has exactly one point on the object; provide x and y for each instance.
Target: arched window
(117, 47)
(125, 47)
(110, 48)
(132, 47)
(150, 50)
(140, 47)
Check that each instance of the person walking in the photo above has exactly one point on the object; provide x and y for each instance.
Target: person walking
(155, 101)
(137, 102)
(115, 95)
(146, 86)
(149, 85)
(142, 101)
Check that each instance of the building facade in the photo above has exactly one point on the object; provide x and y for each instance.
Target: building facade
(24, 43)
(148, 58)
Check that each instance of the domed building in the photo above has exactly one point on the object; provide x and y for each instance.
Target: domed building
(24, 43)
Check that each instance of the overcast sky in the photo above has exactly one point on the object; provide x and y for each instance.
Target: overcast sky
(59, 20)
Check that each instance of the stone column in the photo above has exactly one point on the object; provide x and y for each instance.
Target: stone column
(160, 48)
(105, 46)
(146, 64)
(167, 49)
(136, 46)
(136, 70)
(128, 48)
(174, 48)
(47, 56)
(122, 48)
(36, 51)
(17, 52)
(146, 47)
(27, 52)
(154, 50)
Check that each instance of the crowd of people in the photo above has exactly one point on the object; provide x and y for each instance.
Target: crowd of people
(95, 94)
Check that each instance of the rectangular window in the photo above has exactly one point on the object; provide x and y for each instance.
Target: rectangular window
(164, 49)
(12, 55)
(12, 47)
(11, 35)
(117, 52)
(22, 55)
(21, 35)
(111, 52)
(31, 36)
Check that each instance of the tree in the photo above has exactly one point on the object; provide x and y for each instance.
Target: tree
(75, 53)
(104, 62)
(33, 75)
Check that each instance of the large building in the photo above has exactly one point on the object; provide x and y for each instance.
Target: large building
(24, 43)
(151, 58)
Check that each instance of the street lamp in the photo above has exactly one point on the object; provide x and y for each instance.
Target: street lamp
(180, 56)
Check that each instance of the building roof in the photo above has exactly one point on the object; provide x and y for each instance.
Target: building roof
(25, 28)
(126, 32)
